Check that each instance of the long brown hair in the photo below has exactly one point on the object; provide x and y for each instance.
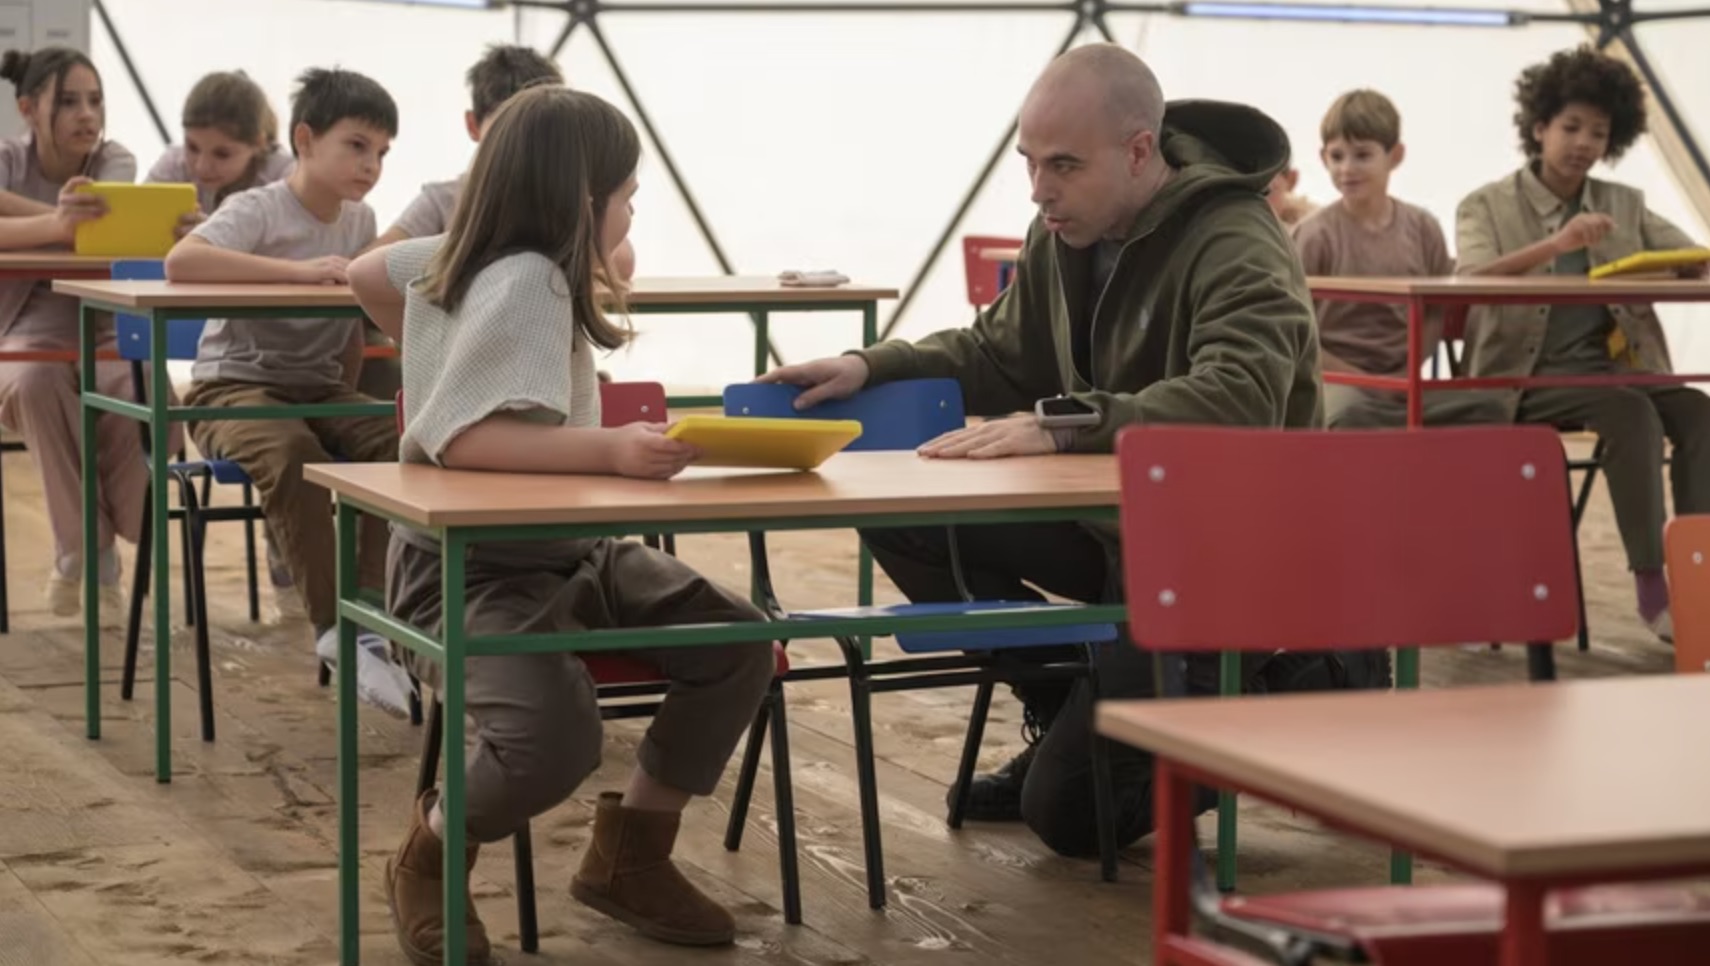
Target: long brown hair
(234, 105)
(540, 182)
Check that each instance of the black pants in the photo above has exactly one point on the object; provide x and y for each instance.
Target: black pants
(1008, 562)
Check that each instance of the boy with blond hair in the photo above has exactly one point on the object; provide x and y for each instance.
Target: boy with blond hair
(1368, 232)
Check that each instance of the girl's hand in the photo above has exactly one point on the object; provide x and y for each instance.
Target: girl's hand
(187, 223)
(76, 207)
(642, 450)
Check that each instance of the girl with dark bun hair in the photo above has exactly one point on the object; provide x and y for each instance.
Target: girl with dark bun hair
(60, 97)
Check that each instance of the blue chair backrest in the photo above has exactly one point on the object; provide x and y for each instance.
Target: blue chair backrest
(893, 415)
(182, 335)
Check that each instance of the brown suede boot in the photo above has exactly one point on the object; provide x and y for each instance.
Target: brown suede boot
(414, 887)
(627, 874)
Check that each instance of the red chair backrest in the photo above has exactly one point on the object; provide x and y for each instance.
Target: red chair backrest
(1245, 539)
(983, 273)
(622, 403)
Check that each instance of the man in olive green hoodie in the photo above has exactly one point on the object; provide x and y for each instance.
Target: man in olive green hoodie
(1155, 286)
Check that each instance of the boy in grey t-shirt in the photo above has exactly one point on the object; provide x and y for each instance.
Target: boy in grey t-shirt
(305, 230)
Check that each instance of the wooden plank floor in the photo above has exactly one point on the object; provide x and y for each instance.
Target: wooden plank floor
(234, 861)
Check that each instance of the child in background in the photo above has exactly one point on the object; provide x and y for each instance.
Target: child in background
(501, 72)
(61, 99)
(500, 318)
(1366, 232)
(1577, 109)
(303, 229)
(231, 144)
(231, 141)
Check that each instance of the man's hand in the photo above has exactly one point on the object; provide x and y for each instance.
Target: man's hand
(838, 377)
(995, 438)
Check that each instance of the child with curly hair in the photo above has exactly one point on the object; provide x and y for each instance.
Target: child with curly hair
(1576, 109)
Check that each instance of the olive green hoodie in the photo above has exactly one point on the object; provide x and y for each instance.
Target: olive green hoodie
(1205, 319)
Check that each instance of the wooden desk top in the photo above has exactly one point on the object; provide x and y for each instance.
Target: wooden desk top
(1509, 781)
(1000, 254)
(646, 292)
(1530, 286)
(169, 295)
(53, 261)
(848, 484)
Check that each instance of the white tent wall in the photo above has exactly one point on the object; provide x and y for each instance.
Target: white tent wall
(846, 141)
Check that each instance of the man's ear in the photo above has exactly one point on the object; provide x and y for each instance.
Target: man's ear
(1141, 147)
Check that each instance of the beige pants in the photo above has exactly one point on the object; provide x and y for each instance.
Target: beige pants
(1633, 422)
(537, 722)
(39, 401)
(299, 514)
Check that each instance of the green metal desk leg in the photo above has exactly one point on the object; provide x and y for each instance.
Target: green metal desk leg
(1228, 685)
(162, 547)
(452, 793)
(91, 553)
(349, 843)
(1406, 676)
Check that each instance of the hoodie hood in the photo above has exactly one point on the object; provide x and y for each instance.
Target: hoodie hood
(1215, 145)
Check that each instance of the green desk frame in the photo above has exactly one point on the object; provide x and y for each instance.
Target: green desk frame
(452, 646)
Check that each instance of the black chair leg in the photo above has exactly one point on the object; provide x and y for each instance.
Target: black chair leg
(184, 525)
(431, 739)
(866, 772)
(745, 776)
(970, 753)
(783, 790)
(528, 922)
(249, 556)
(139, 592)
(196, 587)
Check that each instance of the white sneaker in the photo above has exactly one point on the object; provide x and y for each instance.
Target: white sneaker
(379, 681)
(1662, 626)
(65, 597)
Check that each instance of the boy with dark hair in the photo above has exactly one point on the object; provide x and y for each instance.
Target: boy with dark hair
(303, 229)
(1368, 232)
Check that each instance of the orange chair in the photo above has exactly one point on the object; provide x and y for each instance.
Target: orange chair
(1687, 552)
(985, 277)
(1237, 540)
(619, 677)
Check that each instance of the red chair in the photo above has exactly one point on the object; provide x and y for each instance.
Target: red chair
(1255, 540)
(621, 678)
(985, 277)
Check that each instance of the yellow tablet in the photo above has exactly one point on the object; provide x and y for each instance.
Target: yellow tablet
(139, 221)
(1649, 263)
(797, 444)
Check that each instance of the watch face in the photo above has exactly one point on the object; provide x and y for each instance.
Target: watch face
(1064, 406)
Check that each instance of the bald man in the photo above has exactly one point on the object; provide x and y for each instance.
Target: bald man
(1155, 286)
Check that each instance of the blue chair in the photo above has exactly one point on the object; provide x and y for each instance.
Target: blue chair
(902, 416)
(194, 511)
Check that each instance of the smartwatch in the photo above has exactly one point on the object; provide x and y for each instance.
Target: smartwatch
(1065, 412)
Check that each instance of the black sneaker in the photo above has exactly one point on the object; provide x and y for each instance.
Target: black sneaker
(996, 797)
